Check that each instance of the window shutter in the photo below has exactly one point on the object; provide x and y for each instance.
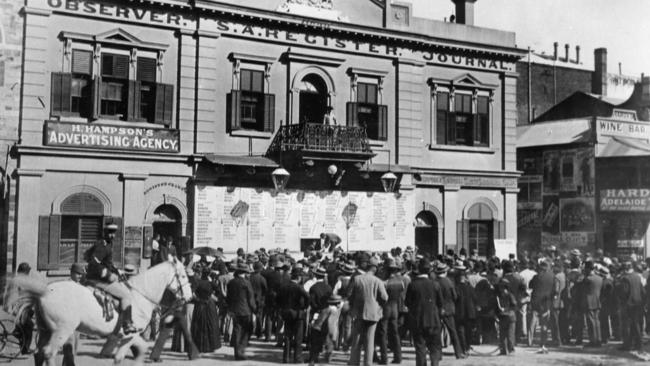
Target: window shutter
(269, 112)
(116, 66)
(53, 243)
(441, 128)
(60, 93)
(233, 111)
(352, 114)
(43, 242)
(382, 120)
(164, 104)
(133, 104)
(451, 128)
(118, 244)
(146, 69)
(96, 98)
(81, 62)
(499, 229)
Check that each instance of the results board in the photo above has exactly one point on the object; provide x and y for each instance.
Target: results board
(372, 221)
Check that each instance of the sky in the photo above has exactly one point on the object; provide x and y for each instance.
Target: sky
(621, 26)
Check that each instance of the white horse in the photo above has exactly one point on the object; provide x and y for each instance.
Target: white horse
(65, 306)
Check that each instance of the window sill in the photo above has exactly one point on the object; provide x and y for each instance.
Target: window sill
(252, 134)
(462, 148)
(376, 143)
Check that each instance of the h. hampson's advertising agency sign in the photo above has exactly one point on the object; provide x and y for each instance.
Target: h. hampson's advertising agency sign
(92, 135)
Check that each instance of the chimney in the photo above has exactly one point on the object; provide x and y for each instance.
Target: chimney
(555, 44)
(464, 11)
(599, 77)
(577, 55)
(566, 52)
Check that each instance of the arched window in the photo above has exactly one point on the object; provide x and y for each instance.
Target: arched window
(76, 226)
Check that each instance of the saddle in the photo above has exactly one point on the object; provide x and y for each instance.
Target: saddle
(109, 303)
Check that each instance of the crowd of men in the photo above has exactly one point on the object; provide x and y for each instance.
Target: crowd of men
(369, 302)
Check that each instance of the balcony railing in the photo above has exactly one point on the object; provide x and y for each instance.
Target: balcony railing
(320, 138)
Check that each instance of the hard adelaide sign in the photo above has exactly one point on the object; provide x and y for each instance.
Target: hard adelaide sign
(625, 200)
(92, 135)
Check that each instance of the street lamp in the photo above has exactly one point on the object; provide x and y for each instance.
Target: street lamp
(388, 181)
(280, 178)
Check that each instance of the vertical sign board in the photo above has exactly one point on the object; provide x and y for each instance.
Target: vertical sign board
(132, 245)
(381, 220)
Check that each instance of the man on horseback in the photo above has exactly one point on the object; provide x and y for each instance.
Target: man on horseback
(102, 270)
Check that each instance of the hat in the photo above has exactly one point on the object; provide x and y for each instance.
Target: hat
(575, 252)
(296, 273)
(334, 299)
(130, 269)
(279, 265)
(507, 266)
(347, 268)
(78, 268)
(373, 262)
(460, 266)
(424, 267)
(111, 227)
(442, 268)
(258, 266)
(409, 249)
(241, 267)
(24, 267)
(319, 272)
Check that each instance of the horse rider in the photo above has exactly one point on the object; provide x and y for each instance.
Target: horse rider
(102, 270)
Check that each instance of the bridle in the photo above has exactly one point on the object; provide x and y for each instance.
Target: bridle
(179, 293)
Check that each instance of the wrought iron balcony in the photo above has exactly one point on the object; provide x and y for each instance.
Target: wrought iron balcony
(322, 142)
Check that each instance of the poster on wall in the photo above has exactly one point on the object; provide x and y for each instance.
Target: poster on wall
(293, 219)
(585, 172)
(551, 215)
(551, 171)
(577, 215)
(568, 183)
(529, 218)
(577, 240)
(132, 245)
(549, 239)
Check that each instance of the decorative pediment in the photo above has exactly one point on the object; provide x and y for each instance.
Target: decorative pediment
(463, 81)
(115, 37)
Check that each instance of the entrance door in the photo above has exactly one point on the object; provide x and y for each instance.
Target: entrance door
(426, 233)
(313, 99)
(168, 224)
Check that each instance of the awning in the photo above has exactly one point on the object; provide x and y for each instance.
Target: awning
(254, 161)
(622, 146)
(554, 133)
(399, 169)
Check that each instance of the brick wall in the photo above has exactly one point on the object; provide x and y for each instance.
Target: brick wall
(544, 93)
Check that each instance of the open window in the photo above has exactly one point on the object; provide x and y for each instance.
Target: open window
(461, 111)
(113, 75)
(366, 108)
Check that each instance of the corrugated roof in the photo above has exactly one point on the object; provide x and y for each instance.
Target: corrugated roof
(561, 132)
(604, 98)
(255, 161)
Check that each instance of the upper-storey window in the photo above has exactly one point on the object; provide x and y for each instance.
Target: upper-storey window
(113, 75)
(250, 105)
(366, 108)
(462, 114)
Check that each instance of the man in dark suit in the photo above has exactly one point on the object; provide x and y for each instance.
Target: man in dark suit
(465, 312)
(388, 327)
(591, 303)
(273, 278)
(631, 297)
(177, 319)
(449, 296)
(607, 304)
(367, 293)
(260, 287)
(241, 303)
(516, 284)
(293, 301)
(559, 285)
(424, 302)
(320, 291)
(541, 302)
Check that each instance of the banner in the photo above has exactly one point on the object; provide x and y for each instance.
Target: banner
(94, 135)
(632, 199)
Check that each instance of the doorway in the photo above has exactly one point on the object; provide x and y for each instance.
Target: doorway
(313, 99)
(426, 233)
(167, 222)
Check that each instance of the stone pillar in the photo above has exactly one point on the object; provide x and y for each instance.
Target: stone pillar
(133, 210)
(27, 213)
(510, 213)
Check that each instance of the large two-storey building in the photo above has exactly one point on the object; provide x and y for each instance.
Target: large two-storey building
(184, 118)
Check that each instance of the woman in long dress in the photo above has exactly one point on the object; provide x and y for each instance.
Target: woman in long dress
(205, 318)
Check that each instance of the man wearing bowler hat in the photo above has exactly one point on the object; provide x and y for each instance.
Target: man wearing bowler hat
(241, 303)
(388, 327)
(449, 297)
